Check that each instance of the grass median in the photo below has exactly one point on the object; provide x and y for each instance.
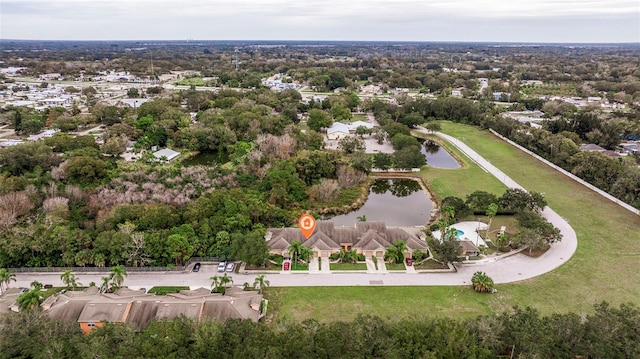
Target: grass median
(603, 268)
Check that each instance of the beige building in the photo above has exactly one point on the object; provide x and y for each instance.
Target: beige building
(93, 309)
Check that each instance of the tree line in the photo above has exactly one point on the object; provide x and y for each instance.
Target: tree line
(608, 332)
(559, 140)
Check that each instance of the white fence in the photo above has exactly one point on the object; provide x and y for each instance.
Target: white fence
(572, 176)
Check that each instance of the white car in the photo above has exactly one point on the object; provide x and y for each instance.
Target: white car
(230, 267)
(222, 266)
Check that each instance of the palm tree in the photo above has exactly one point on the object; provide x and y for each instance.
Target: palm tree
(117, 275)
(30, 300)
(449, 212)
(215, 283)
(69, 279)
(261, 283)
(344, 255)
(36, 285)
(348, 256)
(501, 239)
(450, 234)
(104, 287)
(5, 279)
(442, 224)
(305, 254)
(396, 253)
(491, 212)
(482, 283)
(294, 249)
(362, 218)
(224, 280)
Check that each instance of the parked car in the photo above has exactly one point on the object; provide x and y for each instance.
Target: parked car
(230, 267)
(196, 267)
(222, 266)
(409, 262)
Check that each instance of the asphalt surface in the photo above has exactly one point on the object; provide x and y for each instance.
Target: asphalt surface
(504, 270)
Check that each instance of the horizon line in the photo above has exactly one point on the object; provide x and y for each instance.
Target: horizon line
(187, 40)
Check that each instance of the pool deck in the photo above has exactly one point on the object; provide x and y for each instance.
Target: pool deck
(470, 229)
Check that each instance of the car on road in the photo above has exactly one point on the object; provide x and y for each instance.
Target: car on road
(196, 267)
(230, 267)
(222, 266)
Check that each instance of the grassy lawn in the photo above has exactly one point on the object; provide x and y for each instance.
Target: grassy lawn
(603, 268)
(430, 264)
(396, 266)
(195, 81)
(347, 266)
(299, 266)
(509, 222)
(166, 290)
(358, 117)
(462, 181)
(328, 304)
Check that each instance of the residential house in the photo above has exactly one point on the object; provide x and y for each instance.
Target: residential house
(166, 155)
(592, 147)
(468, 249)
(631, 148)
(368, 238)
(353, 126)
(337, 131)
(91, 309)
(132, 102)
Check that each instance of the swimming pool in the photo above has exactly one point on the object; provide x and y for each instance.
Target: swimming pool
(459, 233)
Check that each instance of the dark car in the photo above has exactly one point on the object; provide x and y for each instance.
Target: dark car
(196, 267)
(409, 262)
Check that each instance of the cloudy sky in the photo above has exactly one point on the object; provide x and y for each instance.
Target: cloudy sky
(400, 20)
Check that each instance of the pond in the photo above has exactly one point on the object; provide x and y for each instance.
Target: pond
(437, 156)
(397, 202)
(207, 159)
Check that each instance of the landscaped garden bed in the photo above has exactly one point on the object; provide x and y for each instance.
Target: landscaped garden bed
(164, 290)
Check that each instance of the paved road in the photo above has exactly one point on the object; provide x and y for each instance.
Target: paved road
(511, 269)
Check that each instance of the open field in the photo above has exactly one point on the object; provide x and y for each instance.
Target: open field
(461, 181)
(603, 268)
(328, 304)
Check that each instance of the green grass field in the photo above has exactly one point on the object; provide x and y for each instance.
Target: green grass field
(347, 266)
(462, 181)
(603, 268)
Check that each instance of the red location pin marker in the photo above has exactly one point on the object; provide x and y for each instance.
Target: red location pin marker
(307, 224)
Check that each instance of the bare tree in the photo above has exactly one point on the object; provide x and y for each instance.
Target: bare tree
(12, 206)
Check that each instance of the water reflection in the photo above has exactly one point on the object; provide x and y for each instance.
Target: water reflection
(207, 159)
(437, 156)
(431, 146)
(398, 202)
(398, 187)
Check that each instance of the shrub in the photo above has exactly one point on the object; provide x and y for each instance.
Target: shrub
(482, 283)
(419, 255)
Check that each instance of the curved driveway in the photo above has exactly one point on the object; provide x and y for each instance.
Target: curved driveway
(506, 270)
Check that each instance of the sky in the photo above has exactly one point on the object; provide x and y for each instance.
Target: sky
(585, 21)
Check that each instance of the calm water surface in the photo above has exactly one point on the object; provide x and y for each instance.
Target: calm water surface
(437, 156)
(397, 202)
(207, 159)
